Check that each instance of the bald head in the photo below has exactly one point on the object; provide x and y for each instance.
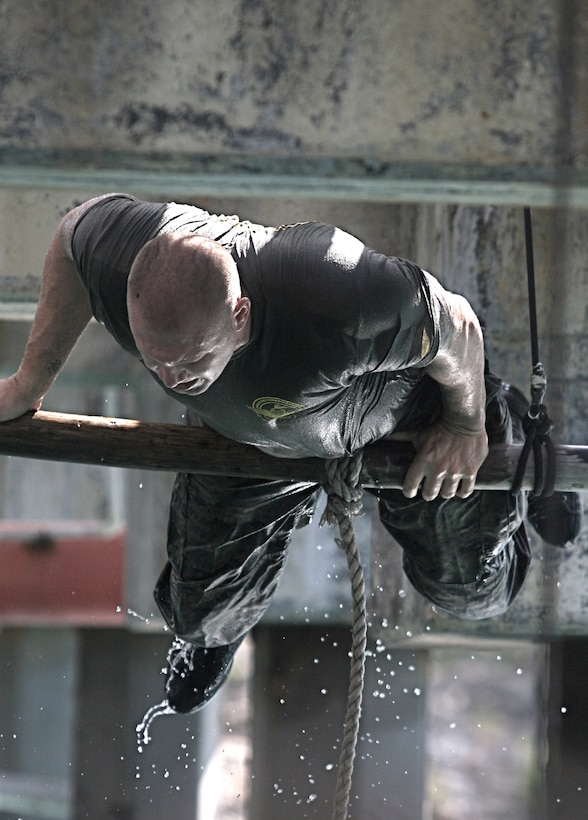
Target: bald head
(186, 310)
(178, 279)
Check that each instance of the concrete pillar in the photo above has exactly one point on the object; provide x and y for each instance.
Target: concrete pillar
(299, 697)
(566, 781)
(37, 707)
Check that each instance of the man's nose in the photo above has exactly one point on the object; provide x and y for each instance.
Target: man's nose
(172, 376)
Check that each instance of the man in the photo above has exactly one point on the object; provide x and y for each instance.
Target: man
(303, 342)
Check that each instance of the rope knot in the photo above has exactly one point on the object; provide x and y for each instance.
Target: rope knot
(537, 421)
(344, 492)
(537, 427)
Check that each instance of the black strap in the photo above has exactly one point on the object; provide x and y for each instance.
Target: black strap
(536, 424)
(531, 287)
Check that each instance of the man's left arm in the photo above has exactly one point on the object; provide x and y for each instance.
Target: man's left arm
(451, 451)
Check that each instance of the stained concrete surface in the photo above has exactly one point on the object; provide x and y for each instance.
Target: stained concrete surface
(414, 81)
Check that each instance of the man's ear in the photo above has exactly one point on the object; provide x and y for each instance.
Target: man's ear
(241, 312)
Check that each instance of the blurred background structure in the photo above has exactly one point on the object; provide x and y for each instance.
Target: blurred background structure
(423, 128)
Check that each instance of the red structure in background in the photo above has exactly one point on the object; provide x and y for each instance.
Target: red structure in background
(49, 579)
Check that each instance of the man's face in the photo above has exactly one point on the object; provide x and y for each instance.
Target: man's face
(188, 364)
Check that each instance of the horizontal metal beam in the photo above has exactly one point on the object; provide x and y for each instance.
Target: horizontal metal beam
(177, 448)
(330, 178)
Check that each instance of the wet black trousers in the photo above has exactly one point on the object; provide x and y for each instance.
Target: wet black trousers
(228, 541)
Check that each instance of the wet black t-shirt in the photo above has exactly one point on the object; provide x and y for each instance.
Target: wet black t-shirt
(339, 333)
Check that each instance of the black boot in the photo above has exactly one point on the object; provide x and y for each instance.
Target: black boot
(195, 674)
(558, 517)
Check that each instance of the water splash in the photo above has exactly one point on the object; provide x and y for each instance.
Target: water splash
(142, 729)
(133, 614)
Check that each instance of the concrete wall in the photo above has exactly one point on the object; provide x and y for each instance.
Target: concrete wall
(416, 81)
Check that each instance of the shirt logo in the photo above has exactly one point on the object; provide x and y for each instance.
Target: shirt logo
(425, 344)
(271, 407)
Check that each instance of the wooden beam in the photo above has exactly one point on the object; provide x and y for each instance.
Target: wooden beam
(177, 448)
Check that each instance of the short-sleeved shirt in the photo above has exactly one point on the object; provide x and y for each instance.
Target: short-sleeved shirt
(340, 334)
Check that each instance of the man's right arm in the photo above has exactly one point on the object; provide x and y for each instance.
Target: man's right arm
(63, 312)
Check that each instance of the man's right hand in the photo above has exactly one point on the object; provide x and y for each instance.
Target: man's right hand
(13, 400)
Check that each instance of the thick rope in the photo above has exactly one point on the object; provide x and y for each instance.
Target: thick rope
(344, 501)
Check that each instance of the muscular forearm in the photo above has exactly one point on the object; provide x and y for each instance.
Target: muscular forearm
(62, 314)
(450, 452)
(458, 366)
